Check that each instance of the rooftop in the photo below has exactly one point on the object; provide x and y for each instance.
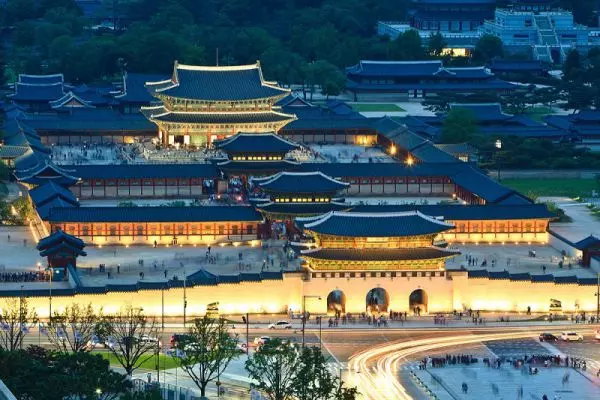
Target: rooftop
(300, 183)
(237, 117)
(244, 82)
(424, 253)
(155, 214)
(410, 223)
(256, 143)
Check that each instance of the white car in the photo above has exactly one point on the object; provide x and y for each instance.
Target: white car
(281, 325)
(96, 343)
(571, 337)
(597, 334)
(149, 339)
(259, 341)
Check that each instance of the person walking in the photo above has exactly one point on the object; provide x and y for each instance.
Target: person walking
(465, 388)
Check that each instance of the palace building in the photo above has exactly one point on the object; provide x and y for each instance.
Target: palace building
(203, 104)
(293, 194)
(348, 241)
(255, 154)
(402, 79)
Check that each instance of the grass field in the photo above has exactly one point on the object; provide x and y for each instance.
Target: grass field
(553, 187)
(537, 113)
(166, 362)
(376, 107)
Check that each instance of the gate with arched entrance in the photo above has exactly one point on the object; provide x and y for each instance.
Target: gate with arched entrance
(418, 302)
(377, 301)
(336, 303)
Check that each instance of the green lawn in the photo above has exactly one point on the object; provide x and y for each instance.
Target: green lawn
(380, 107)
(537, 113)
(166, 362)
(553, 187)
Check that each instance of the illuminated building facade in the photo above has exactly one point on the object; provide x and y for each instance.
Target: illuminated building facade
(204, 104)
(348, 241)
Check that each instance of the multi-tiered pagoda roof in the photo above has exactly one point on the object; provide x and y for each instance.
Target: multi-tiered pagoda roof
(202, 103)
(367, 241)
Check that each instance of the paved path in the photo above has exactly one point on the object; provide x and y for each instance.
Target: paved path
(583, 224)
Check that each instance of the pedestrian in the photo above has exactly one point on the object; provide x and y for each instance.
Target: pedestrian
(24, 242)
(9, 237)
(165, 274)
(465, 388)
(209, 249)
(544, 397)
(118, 268)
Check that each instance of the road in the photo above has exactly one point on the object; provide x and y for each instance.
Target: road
(378, 361)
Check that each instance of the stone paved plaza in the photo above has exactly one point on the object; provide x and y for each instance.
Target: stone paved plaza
(504, 383)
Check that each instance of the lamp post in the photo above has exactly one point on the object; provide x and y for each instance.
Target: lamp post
(598, 299)
(184, 297)
(304, 314)
(51, 275)
(498, 146)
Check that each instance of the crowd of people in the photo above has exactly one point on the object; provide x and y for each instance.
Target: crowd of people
(23, 276)
(449, 359)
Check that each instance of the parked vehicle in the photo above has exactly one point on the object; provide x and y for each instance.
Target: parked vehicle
(178, 338)
(259, 341)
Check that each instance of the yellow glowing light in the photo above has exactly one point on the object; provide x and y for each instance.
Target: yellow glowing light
(99, 246)
(393, 150)
(222, 244)
(410, 161)
(126, 246)
(180, 245)
(167, 245)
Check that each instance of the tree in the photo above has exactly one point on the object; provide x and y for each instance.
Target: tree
(436, 44)
(71, 330)
(459, 126)
(88, 376)
(207, 351)
(24, 209)
(407, 46)
(124, 332)
(313, 380)
(487, 48)
(572, 65)
(38, 373)
(15, 320)
(326, 75)
(273, 368)
(515, 102)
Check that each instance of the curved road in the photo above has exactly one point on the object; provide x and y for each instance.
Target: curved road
(386, 358)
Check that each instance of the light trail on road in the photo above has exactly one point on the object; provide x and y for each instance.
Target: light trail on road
(384, 383)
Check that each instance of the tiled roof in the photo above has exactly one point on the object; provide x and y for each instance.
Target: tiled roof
(59, 236)
(484, 112)
(301, 208)
(358, 170)
(31, 92)
(222, 118)
(12, 151)
(135, 90)
(300, 183)
(258, 167)
(590, 241)
(41, 79)
(220, 83)
(45, 208)
(354, 224)
(456, 83)
(43, 171)
(481, 185)
(452, 212)
(428, 152)
(50, 190)
(424, 253)
(144, 171)
(87, 121)
(155, 214)
(68, 98)
(256, 143)
(61, 248)
(395, 68)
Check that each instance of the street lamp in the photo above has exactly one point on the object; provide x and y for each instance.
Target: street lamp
(51, 275)
(304, 314)
(498, 146)
(184, 297)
